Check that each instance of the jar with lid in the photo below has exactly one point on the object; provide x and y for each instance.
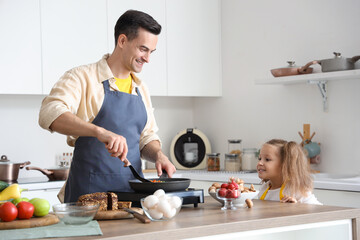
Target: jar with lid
(249, 159)
(234, 147)
(232, 162)
(213, 161)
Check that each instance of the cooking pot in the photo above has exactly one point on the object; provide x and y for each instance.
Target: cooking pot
(167, 184)
(338, 63)
(55, 174)
(292, 69)
(9, 171)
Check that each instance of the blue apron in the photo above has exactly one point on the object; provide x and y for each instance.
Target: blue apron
(92, 168)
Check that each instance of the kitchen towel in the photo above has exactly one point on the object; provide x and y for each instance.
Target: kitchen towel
(57, 230)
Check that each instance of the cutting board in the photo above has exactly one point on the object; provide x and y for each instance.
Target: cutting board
(116, 214)
(49, 219)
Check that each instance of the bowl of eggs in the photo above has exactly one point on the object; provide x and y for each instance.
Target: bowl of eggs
(161, 206)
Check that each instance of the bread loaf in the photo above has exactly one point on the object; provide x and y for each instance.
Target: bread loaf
(107, 201)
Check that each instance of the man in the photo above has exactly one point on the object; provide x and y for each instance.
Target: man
(106, 112)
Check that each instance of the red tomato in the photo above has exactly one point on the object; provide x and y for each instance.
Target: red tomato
(26, 210)
(222, 192)
(231, 186)
(8, 212)
(224, 185)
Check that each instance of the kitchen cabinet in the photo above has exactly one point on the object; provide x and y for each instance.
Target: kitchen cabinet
(338, 198)
(73, 33)
(20, 47)
(321, 79)
(193, 48)
(48, 194)
(154, 72)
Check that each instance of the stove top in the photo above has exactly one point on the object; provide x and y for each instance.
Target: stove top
(190, 196)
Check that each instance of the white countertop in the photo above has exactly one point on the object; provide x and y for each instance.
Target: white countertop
(338, 182)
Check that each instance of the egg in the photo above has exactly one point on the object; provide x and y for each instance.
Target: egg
(159, 193)
(164, 207)
(151, 201)
(171, 213)
(155, 214)
(175, 201)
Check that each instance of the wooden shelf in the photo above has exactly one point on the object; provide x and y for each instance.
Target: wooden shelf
(309, 78)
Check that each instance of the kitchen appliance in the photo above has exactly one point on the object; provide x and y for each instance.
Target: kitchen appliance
(9, 171)
(190, 196)
(292, 69)
(188, 149)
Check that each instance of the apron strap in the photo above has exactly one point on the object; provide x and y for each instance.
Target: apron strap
(281, 195)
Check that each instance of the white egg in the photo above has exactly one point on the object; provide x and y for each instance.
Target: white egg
(159, 193)
(171, 213)
(151, 201)
(155, 214)
(164, 207)
(175, 201)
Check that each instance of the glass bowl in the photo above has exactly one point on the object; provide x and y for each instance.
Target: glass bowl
(164, 212)
(238, 202)
(75, 213)
(228, 201)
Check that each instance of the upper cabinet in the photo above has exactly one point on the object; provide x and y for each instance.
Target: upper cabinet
(154, 72)
(20, 47)
(73, 33)
(193, 47)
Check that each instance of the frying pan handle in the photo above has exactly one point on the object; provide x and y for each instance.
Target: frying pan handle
(355, 59)
(303, 69)
(44, 171)
(24, 164)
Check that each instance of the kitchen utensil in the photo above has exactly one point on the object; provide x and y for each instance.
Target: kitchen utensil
(9, 171)
(55, 174)
(75, 213)
(167, 184)
(338, 63)
(134, 172)
(47, 220)
(292, 69)
(137, 215)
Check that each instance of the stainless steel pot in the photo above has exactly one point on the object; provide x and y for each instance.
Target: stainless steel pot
(55, 174)
(9, 171)
(338, 63)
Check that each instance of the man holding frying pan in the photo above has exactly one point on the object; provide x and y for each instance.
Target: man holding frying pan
(106, 112)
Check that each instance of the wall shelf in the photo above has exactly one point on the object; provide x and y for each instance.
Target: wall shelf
(321, 79)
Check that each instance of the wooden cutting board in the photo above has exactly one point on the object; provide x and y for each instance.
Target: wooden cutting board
(49, 219)
(116, 214)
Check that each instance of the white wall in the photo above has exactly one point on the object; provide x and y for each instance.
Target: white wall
(260, 35)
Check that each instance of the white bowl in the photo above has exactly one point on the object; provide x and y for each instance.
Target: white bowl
(75, 213)
(150, 212)
(240, 201)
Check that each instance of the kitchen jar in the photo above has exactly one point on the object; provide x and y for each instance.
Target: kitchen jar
(232, 162)
(213, 161)
(249, 159)
(234, 147)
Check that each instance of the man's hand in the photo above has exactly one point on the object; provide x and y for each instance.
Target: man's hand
(163, 163)
(114, 143)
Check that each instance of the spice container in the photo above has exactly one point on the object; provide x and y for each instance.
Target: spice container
(213, 161)
(232, 162)
(249, 159)
(234, 147)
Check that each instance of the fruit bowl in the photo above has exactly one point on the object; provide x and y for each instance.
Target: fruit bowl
(240, 201)
(167, 208)
(75, 213)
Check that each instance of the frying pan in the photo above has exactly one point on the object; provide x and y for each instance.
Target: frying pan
(292, 69)
(53, 174)
(167, 184)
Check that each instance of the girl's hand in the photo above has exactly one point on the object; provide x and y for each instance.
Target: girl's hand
(288, 199)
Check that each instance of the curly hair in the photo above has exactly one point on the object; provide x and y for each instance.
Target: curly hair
(296, 172)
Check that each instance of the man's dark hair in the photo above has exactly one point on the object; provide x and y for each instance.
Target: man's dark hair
(131, 21)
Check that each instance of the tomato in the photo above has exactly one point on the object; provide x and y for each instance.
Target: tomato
(25, 209)
(8, 212)
(222, 192)
(224, 185)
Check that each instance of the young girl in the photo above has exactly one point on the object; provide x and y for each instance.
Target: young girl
(285, 173)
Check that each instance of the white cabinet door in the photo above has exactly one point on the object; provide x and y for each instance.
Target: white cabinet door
(20, 47)
(193, 47)
(153, 73)
(73, 33)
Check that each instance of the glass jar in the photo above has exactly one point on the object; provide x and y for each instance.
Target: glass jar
(232, 162)
(249, 159)
(234, 147)
(213, 161)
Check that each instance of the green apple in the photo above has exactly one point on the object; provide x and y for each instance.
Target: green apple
(17, 200)
(33, 200)
(42, 207)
